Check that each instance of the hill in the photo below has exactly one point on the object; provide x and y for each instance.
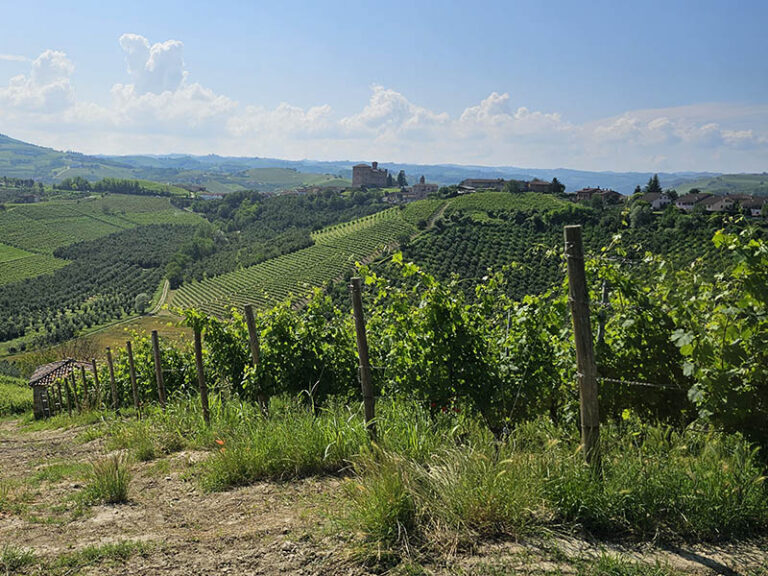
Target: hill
(225, 173)
(755, 184)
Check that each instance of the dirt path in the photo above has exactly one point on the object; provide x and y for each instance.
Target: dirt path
(266, 528)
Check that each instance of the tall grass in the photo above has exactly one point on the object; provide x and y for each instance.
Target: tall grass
(109, 480)
(445, 479)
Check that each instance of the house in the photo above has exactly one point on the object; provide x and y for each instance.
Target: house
(658, 201)
(483, 183)
(369, 176)
(423, 189)
(607, 196)
(754, 205)
(687, 202)
(541, 186)
(720, 204)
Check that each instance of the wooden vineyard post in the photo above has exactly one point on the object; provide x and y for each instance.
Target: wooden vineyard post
(582, 332)
(362, 353)
(59, 396)
(201, 375)
(158, 368)
(69, 396)
(132, 371)
(74, 391)
(96, 383)
(86, 401)
(110, 364)
(253, 341)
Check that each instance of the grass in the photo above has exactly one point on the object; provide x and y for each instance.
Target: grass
(12, 558)
(109, 480)
(15, 396)
(101, 554)
(59, 471)
(437, 483)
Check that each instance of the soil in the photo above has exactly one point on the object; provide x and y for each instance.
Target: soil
(265, 528)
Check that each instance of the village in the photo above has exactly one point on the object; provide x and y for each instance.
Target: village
(371, 176)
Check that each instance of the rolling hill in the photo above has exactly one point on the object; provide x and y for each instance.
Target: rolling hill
(756, 184)
(226, 174)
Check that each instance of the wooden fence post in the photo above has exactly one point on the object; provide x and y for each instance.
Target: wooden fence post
(111, 366)
(158, 368)
(201, 375)
(132, 372)
(86, 400)
(96, 383)
(362, 353)
(582, 332)
(253, 341)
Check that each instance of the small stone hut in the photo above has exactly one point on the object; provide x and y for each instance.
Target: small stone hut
(46, 385)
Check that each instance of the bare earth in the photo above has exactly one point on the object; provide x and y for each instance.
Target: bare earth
(266, 528)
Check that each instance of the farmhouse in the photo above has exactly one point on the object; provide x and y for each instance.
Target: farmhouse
(541, 186)
(687, 202)
(656, 200)
(369, 176)
(483, 183)
(607, 196)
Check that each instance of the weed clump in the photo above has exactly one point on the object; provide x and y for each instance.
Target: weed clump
(109, 480)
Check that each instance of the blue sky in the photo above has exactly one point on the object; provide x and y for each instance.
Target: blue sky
(598, 85)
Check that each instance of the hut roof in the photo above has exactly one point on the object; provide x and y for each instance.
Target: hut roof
(49, 373)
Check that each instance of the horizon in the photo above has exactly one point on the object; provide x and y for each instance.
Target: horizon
(455, 85)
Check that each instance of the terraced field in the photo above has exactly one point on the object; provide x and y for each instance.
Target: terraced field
(41, 228)
(17, 264)
(295, 275)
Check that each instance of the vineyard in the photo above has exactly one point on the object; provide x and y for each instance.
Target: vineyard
(46, 226)
(295, 275)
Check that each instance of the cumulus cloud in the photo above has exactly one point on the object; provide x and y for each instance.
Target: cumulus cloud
(153, 68)
(389, 112)
(160, 108)
(282, 120)
(45, 89)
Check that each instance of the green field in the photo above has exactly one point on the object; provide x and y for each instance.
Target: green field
(17, 264)
(43, 227)
(293, 276)
(15, 396)
(756, 184)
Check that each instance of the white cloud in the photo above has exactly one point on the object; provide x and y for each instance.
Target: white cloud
(45, 89)
(158, 108)
(388, 113)
(154, 68)
(13, 58)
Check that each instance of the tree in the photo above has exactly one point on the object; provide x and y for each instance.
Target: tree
(637, 191)
(653, 186)
(401, 181)
(141, 302)
(512, 186)
(390, 180)
(640, 215)
(557, 187)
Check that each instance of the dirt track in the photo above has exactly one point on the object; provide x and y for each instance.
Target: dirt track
(266, 528)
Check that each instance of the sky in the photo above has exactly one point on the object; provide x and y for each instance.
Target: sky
(592, 85)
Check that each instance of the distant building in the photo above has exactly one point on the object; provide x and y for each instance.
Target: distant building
(656, 200)
(607, 196)
(541, 186)
(721, 204)
(423, 189)
(686, 203)
(754, 205)
(483, 183)
(369, 176)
